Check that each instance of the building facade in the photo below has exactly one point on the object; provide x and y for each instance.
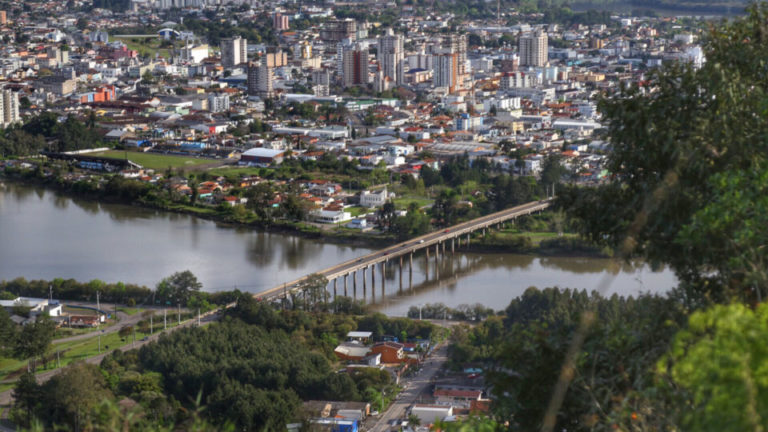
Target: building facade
(391, 55)
(234, 51)
(9, 108)
(259, 79)
(533, 49)
(355, 66)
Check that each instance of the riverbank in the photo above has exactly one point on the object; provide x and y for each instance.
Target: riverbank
(227, 216)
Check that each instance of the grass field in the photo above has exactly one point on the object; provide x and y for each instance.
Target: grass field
(154, 161)
(76, 350)
(404, 202)
(234, 171)
(144, 46)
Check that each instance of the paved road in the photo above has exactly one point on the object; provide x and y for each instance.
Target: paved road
(412, 245)
(417, 385)
(5, 397)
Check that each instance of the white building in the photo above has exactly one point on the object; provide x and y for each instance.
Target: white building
(233, 51)
(373, 199)
(533, 49)
(37, 306)
(390, 54)
(9, 108)
(218, 102)
(430, 414)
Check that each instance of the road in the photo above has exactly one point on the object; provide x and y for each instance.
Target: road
(412, 245)
(416, 386)
(5, 397)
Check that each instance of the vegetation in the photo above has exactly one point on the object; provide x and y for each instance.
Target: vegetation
(158, 162)
(690, 197)
(223, 367)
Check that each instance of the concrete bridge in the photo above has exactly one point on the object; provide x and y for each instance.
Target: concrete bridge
(437, 242)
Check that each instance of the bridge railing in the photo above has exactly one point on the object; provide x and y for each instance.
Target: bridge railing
(412, 245)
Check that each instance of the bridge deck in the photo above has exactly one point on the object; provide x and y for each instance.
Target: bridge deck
(412, 245)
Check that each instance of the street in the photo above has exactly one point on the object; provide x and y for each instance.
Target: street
(416, 386)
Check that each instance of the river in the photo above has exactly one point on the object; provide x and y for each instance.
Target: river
(44, 235)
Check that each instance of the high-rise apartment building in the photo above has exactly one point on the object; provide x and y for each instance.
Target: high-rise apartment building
(338, 30)
(9, 108)
(355, 66)
(391, 56)
(275, 57)
(446, 71)
(234, 51)
(280, 22)
(457, 44)
(259, 79)
(533, 49)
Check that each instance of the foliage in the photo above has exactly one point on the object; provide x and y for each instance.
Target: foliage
(178, 288)
(525, 352)
(34, 339)
(682, 141)
(716, 369)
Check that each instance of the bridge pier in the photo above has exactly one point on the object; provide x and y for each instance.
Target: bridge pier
(468, 239)
(373, 279)
(453, 245)
(443, 243)
(383, 277)
(410, 270)
(426, 263)
(354, 283)
(345, 283)
(365, 283)
(401, 273)
(334, 288)
(437, 251)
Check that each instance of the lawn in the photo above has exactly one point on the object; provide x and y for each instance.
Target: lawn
(154, 161)
(356, 211)
(404, 201)
(145, 46)
(237, 172)
(78, 350)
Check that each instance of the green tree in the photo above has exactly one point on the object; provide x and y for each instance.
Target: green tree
(8, 333)
(26, 397)
(716, 370)
(678, 139)
(178, 288)
(71, 395)
(35, 339)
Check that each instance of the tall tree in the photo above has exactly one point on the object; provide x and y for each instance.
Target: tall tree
(35, 339)
(178, 288)
(678, 138)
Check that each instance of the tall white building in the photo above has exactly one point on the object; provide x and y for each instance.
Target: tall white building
(234, 51)
(9, 108)
(533, 49)
(446, 71)
(457, 44)
(391, 55)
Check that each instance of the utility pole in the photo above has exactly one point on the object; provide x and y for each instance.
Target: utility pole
(198, 317)
(165, 319)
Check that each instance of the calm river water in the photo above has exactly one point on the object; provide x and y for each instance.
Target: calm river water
(44, 235)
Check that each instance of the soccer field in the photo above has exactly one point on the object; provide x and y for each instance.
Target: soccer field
(154, 161)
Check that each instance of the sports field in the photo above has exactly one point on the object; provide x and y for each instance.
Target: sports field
(153, 160)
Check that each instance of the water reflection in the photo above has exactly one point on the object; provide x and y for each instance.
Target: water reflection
(46, 238)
